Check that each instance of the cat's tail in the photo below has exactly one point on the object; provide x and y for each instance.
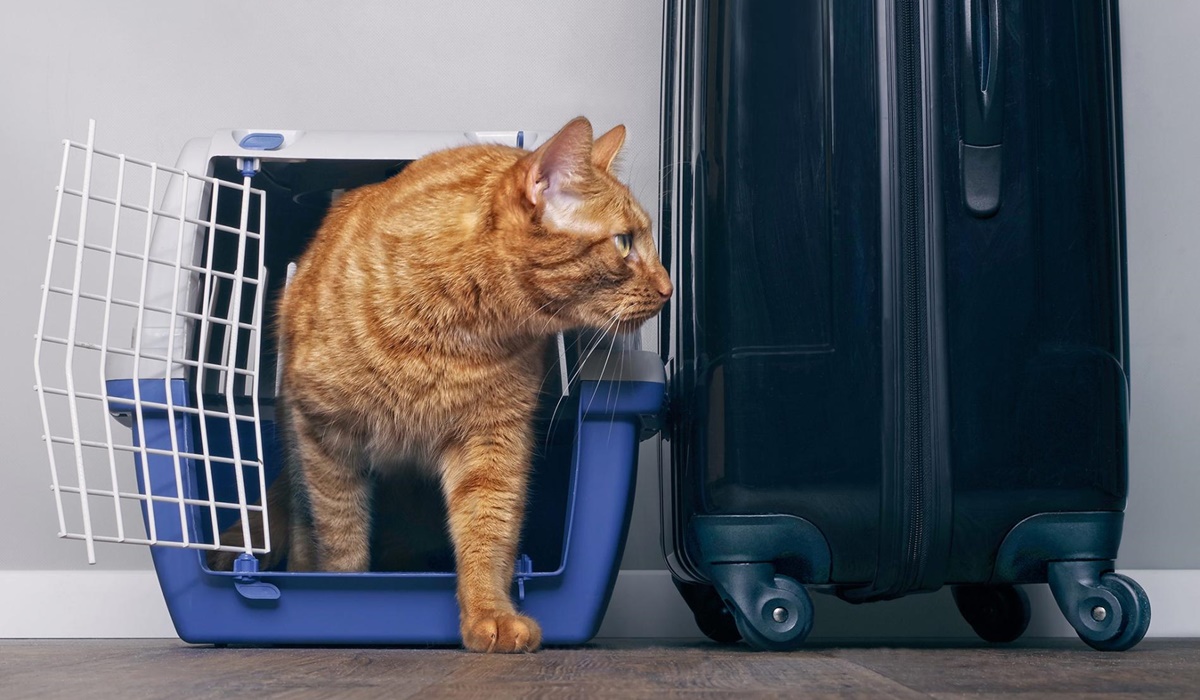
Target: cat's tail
(279, 510)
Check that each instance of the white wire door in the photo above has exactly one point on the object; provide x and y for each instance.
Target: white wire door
(148, 354)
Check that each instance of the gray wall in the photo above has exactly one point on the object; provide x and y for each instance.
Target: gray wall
(1162, 186)
(155, 74)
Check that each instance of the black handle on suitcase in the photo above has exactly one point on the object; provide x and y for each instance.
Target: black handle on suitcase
(981, 105)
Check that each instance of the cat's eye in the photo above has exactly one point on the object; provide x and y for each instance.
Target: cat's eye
(624, 243)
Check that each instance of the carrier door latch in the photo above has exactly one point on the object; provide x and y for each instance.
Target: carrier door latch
(247, 584)
(522, 574)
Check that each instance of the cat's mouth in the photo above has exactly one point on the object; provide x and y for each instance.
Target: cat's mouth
(629, 325)
(635, 320)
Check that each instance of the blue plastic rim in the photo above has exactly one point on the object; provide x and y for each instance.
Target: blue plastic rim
(568, 597)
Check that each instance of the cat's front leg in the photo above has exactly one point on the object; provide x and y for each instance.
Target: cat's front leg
(484, 479)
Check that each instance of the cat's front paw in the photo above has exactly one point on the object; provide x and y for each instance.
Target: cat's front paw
(506, 633)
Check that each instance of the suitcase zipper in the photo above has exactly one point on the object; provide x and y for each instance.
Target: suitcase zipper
(916, 380)
(915, 322)
(908, 507)
(904, 551)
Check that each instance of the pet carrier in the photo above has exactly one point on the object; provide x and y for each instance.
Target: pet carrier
(155, 372)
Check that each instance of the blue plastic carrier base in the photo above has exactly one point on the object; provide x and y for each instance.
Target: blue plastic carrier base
(582, 493)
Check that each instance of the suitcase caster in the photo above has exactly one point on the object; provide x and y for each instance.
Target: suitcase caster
(998, 614)
(1109, 611)
(712, 616)
(772, 612)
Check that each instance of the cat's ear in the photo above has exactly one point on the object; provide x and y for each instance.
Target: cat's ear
(563, 158)
(607, 147)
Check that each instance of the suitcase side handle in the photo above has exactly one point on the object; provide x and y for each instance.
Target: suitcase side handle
(981, 104)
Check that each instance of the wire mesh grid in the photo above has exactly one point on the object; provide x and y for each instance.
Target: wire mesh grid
(151, 315)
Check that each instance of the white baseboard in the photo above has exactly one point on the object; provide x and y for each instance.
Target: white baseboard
(82, 604)
(129, 604)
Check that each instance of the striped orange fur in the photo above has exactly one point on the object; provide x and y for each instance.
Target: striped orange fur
(414, 333)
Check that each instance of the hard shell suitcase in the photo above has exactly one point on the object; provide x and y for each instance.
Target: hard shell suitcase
(898, 354)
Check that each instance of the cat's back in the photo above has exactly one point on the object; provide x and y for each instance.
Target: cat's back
(435, 198)
(462, 173)
(387, 253)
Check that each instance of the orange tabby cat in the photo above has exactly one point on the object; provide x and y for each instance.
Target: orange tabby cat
(414, 332)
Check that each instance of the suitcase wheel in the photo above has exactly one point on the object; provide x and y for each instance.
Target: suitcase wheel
(771, 611)
(998, 614)
(1109, 611)
(1134, 613)
(780, 623)
(712, 616)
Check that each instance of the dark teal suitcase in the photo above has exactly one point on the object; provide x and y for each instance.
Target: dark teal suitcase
(898, 354)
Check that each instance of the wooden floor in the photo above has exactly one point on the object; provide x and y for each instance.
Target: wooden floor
(162, 669)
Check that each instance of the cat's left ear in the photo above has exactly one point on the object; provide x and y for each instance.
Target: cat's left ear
(559, 162)
(607, 147)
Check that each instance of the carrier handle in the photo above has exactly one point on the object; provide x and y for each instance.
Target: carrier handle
(981, 105)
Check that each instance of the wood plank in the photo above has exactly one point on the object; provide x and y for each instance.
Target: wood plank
(660, 670)
(127, 669)
(1040, 667)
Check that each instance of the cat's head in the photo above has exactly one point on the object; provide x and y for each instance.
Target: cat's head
(585, 250)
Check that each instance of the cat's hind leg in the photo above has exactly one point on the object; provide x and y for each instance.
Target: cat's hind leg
(279, 507)
(332, 524)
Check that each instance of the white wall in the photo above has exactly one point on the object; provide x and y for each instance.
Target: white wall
(154, 74)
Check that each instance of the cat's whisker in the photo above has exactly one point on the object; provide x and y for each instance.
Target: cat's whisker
(549, 319)
(583, 358)
(598, 337)
(674, 164)
(637, 155)
(616, 319)
(554, 366)
(583, 361)
(535, 313)
(608, 398)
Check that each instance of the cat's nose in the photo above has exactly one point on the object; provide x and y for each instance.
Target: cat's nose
(663, 285)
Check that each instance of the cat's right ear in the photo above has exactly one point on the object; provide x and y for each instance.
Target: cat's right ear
(606, 148)
(563, 158)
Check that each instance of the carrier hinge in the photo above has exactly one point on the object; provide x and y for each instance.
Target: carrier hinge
(249, 167)
(247, 584)
(523, 573)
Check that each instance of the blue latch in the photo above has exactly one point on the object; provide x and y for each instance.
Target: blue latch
(247, 584)
(524, 573)
(261, 141)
